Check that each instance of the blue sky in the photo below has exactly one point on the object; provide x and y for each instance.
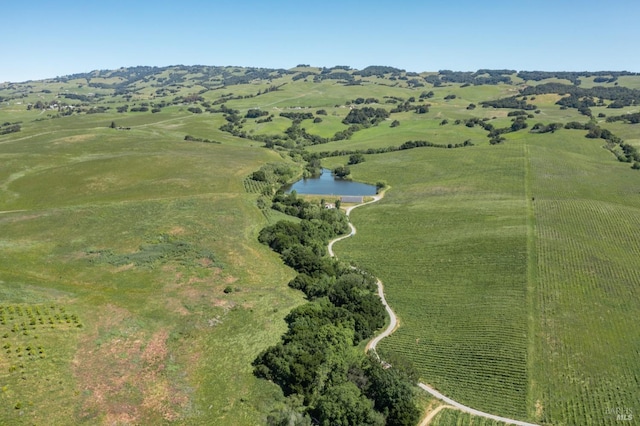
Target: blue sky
(51, 38)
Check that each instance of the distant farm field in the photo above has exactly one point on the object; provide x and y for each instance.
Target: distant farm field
(136, 234)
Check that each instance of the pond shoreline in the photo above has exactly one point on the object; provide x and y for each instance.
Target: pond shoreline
(327, 184)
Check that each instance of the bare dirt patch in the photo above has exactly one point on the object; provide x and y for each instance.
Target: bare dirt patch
(123, 374)
(539, 409)
(184, 289)
(74, 139)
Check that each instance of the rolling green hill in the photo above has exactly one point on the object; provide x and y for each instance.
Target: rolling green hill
(128, 232)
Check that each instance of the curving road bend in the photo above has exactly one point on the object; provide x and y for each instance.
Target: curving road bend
(393, 324)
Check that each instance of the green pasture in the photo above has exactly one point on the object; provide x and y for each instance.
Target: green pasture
(183, 327)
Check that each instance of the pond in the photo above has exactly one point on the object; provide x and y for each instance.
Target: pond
(327, 184)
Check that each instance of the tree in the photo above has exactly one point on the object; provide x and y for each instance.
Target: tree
(256, 113)
(341, 171)
(356, 158)
(422, 109)
(395, 123)
(344, 405)
(393, 394)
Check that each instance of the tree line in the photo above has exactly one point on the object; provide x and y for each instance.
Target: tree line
(317, 364)
(406, 145)
(621, 96)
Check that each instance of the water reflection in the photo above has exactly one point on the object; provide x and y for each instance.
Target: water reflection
(326, 184)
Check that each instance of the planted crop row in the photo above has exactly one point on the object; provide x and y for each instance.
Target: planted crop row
(450, 246)
(23, 319)
(254, 186)
(588, 296)
(31, 337)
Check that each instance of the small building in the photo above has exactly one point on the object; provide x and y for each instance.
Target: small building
(351, 199)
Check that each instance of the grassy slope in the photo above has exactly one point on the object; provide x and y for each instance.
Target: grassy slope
(169, 343)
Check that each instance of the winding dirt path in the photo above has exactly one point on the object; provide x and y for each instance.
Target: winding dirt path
(393, 324)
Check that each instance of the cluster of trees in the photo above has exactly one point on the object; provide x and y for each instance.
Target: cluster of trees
(359, 101)
(276, 174)
(7, 128)
(366, 116)
(141, 108)
(194, 139)
(596, 132)
(582, 104)
(256, 113)
(251, 74)
(265, 120)
(297, 116)
(403, 107)
(574, 77)
(510, 102)
(546, 128)
(272, 88)
(378, 70)
(339, 75)
(303, 75)
(477, 78)
(621, 96)
(40, 105)
(317, 363)
(519, 122)
(407, 145)
(341, 171)
(414, 82)
(356, 158)
(519, 112)
(632, 118)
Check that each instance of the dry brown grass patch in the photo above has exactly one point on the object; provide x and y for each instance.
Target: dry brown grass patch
(124, 375)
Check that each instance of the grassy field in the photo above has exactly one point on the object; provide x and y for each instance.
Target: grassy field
(136, 234)
(128, 250)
